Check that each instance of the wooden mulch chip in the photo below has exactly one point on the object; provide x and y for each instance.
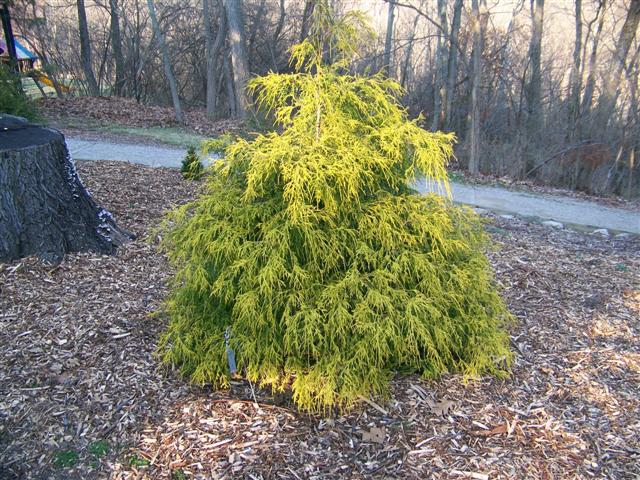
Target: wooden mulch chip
(82, 394)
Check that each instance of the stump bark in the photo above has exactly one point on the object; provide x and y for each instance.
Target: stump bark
(45, 210)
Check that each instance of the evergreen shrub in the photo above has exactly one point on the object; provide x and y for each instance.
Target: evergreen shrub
(191, 166)
(310, 249)
(13, 100)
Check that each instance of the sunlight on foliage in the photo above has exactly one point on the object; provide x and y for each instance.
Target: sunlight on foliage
(309, 244)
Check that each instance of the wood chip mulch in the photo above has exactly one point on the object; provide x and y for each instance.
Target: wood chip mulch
(82, 394)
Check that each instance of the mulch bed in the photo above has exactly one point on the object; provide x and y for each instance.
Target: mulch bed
(83, 396)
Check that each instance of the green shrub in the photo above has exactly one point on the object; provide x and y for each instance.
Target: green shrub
(311, 249)
(13, 100)
(217, 145)
(191, 165)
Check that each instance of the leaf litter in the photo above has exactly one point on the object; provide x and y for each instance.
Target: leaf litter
(77, 369)
(128, 112)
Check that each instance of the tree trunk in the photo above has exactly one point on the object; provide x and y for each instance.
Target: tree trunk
(259, 15)
(212, 49)
(590, 85)
(45, 209)
(452, 63)
(276, 35)
(407, 57)
(476, 60)
(235, 30)
(534, 85)
(9, 39)
(388, 40)
(168, 70)
(441, 67)
(627, 35)
(116, 44)
(309, 7)
(85, 50)
(231, 95)
(575, 83)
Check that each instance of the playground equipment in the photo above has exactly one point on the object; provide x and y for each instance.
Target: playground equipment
(39, 76)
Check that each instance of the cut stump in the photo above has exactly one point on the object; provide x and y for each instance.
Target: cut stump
(45, 210)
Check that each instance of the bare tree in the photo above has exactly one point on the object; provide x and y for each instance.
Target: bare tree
(116, 45)
(452, 62)
(213, 47)
(307, 14)
(575, 82)
(388, 43)
(276, 35)
(441, 66)
(168, 70)
(590, 85)
(510, 102)
(235, 29)
(533, 88)
(231, 94)
(476, 59)
(407, 57)
(627, 35)
(85, 50)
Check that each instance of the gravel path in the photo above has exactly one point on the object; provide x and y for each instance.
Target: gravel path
(152, 156)
(546, 207)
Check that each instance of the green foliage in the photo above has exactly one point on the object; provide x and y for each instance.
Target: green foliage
(309, 244)
(136, 461)
(66, 459)
(99, 448)
(217, 145)
(191, 166)
(12, 99)
(178, 475)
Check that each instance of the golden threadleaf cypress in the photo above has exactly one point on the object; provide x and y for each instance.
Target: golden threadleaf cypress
(311, 249)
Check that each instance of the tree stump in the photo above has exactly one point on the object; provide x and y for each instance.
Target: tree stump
(45, 210)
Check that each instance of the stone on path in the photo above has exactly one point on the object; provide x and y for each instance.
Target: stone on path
(552, 224)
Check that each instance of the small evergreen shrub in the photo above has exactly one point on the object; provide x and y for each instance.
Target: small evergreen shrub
(13, 100)
(191, 166)
(310, 250)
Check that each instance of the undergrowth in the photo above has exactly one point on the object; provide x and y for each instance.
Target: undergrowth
(309, 248)
(13, 100)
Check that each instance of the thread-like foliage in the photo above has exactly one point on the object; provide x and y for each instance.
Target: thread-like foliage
(312, 250)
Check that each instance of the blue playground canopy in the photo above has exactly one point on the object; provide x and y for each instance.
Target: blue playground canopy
(22, 52)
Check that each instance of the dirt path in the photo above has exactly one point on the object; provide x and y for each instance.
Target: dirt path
(580, 213)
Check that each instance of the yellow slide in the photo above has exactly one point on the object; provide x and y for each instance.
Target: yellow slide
(41, 77)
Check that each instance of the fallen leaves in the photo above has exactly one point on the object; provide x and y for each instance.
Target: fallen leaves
(374, 434)
(128, 112)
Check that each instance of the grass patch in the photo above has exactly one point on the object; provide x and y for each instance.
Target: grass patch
(457, 177)
(136, 461)
(178, 475)
(176, 136)
(99, 448)
(66, 458)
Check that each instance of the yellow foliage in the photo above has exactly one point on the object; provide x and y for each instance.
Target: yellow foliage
(311, 247)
